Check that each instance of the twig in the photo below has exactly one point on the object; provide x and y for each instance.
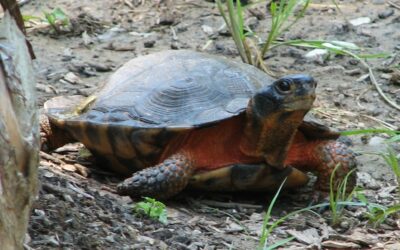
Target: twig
(57, 189)
(373, 80)
(49, 157)
(229, 204)
(385, 124)
(360, 95)
(395, 5)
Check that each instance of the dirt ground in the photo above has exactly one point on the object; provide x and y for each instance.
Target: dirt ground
(77, 207)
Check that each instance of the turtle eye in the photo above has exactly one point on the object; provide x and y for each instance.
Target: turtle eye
(284, 86)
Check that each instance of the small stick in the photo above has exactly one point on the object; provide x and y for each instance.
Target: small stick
(394, 5)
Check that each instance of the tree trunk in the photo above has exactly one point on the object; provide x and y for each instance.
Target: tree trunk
(19, 135)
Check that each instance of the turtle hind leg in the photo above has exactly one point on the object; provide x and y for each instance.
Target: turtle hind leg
(52, 137)
(161, 181)
(334, 154)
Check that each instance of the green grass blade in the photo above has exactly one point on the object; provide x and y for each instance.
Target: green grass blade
(369, 131)
(265, 233)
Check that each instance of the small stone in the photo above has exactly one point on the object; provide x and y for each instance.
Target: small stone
(68, 198)
(317, 55)
(395, 78)
(39, 213)
(392, 246)
(367, 181)
(166, 19)
(67, 55)
(376, 141)
(352, 72)
(386, 76)
(345, 224)
(72, 78)
(207, 29)
(145, 239)
(48, 174)
(360, 21)
(196, 232)
(110, 239)
(252, 22)
(386, 13)
(174, 45)
(224, 31)
(149, 44)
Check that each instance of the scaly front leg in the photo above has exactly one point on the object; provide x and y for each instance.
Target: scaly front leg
(161, 181)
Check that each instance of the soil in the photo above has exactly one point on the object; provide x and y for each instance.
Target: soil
(77, 207)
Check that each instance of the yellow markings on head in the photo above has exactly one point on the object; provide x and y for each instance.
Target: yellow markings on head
(80, 108)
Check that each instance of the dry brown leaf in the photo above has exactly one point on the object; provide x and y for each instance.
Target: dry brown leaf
(340, 244)
(308, 236)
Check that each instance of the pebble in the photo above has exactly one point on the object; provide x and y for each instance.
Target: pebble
(367, 181)
(360, 21)
(110, 239)
(252, 22)
(385, 76)
(395, 78)
(317, 55)
(353, 72)
(345, 224)
(149, 43)
(207, 29)
(376, 141)
(174, 45)
(386, 13)
(166, 19)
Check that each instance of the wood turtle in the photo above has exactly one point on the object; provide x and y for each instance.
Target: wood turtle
(179, 118)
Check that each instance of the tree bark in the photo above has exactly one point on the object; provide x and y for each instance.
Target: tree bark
(12, 7)
(19, 135)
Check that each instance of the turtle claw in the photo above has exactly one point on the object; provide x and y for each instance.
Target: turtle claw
(161, 181)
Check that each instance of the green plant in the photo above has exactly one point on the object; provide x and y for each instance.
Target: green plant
(248, 49)
(338, 193)
(152, 208)
(269, 227)
(56, 18)
(281, 13)
(377, 213)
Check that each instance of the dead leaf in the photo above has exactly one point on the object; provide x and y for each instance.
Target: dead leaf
(340, 244)
(69, 167)
(308, 236)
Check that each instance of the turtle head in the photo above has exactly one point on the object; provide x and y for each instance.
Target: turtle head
(287, 94)
(273, 116)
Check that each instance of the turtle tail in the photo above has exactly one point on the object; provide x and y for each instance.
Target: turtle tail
(51, 136)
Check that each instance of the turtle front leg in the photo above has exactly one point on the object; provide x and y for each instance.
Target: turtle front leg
(161, 181)
(248, 177)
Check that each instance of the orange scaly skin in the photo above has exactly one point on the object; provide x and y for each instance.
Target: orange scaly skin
(215, 147)
(321, 157)
(218, 146)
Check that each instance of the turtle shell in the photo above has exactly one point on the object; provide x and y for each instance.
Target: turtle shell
(152, 100)
(176, 89)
